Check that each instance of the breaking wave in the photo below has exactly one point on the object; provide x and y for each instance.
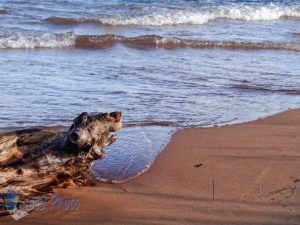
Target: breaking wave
(38, 41)
(189, 16)
(154, 41)
(72, 40)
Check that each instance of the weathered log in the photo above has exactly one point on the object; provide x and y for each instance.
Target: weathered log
(38, 159)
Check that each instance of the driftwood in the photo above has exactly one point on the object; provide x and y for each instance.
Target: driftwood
(33, 161)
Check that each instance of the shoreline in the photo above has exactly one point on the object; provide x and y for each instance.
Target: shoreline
(245, 173)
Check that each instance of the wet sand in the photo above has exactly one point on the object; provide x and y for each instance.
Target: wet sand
(239, 174)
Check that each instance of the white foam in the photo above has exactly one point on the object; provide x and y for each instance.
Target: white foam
(38, 41)
(270, 12)
(203, 15)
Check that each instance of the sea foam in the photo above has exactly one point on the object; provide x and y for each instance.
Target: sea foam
(190, 16)
(38, 41)
(72, 40)
(201, 16)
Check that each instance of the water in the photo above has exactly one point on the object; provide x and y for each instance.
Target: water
(189, 63)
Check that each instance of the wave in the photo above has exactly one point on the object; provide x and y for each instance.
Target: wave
(154, 123)
(189, 16)
(72, 40)
(38, 41)
(256, 88)
(3, 11)
(63, 21)
(154, 41)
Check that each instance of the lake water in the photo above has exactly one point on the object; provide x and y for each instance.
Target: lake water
(187, 63)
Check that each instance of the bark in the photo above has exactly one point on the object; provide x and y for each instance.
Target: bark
(33, 161)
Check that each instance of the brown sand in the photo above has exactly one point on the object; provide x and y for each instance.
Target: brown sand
(255, 168)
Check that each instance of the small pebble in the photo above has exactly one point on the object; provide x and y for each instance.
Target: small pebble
(198, 165)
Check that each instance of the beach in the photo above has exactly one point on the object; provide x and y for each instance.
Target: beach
(209, 97)
(165, 65)
(246, 173)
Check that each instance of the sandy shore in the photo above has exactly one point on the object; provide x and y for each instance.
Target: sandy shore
(238, 174)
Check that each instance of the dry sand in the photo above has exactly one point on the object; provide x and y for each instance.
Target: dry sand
(255, 168)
